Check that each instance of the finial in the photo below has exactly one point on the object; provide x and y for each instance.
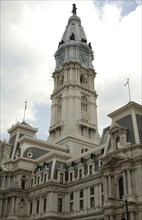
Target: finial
(74, 9)
(25, 110)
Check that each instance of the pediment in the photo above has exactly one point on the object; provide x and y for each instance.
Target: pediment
(113, 160)
(115, 127)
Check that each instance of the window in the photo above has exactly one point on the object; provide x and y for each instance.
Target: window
(90, 169)
(59, 105)
(61, 177)
(23, 182)
(84, 104)
(71, 206)
(37, 206)
(117, 142)
(38, 178)
(92, 204)
(92, 190)
(45, 175)
(121, 188)
(81, 204)
(31, 208)
(31, 182)
(81, 193)
(82, 79)
(71, 196)
(71, 176)
(80, 173)
(44, 204)
(60, 204)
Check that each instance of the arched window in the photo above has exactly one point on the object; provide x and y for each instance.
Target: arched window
(59, 107)
(82, 79)
(84, 104)
(117, 142)
(23, 182)
(121, 187)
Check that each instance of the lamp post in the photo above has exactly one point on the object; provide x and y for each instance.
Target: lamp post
(126, 206)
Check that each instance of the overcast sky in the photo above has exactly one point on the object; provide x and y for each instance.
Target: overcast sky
(30, 33)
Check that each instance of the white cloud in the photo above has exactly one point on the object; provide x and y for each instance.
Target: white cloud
(30, 34)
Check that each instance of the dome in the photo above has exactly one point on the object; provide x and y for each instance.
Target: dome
(74, 29)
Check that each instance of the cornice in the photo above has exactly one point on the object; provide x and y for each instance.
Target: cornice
(129, 106)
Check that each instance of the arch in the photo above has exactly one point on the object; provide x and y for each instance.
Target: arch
(84, 104)
(121, 187)
(59, 105)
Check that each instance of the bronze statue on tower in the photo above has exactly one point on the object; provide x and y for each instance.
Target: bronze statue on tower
(74, 9)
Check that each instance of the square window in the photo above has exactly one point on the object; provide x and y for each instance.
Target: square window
(81, 205)
(81, 193)
(92, 190)
(60, 201)
(44, 204)
(92, 204)
(80, 173)
(71, 206)
(71, 176)
(90, 170)
(71, 196)
(61, 177)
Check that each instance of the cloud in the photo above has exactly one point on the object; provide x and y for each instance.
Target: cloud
(31, 31)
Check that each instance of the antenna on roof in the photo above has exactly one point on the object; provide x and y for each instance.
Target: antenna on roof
(127, 83)
(25, 110)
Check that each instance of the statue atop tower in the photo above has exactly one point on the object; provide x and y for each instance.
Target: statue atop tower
(74, 9)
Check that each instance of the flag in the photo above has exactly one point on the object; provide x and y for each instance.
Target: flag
(126, 82)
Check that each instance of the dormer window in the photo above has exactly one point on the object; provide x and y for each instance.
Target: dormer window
(117, 142)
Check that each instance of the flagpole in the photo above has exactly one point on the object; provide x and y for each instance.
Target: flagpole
(25, 110)
(128, 89)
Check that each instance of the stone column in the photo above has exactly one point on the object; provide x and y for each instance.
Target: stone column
(125, 182)
(0, 207)
(85, 198)
(76, 204)
(109, 187)
(40, 205)
(99, 195)
(96, 192)
(5, 210)
(34, 207)
(12, 205)
(132, 216)
(129, 182)
(3, 184)
(16, 205)
(105, 187)
(111, 217)
(8, 181)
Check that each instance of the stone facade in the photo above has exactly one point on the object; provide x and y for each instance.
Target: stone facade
(75, 174)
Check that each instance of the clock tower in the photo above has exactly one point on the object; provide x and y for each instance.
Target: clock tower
(74, 110)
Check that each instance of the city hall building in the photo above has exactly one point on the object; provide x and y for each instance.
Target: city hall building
(75, 174)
